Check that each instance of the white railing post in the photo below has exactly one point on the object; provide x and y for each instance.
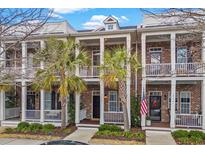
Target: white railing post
(173, 53)
(77, 108)
(203, 102)
(143, 117)
(173, 96)
(102, 82)
(128, 82)
(2, 105)
(23, 100)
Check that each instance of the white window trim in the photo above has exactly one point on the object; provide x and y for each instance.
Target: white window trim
(181, 102)
(160, 92)
(155, 51)
(117, 102)
(186, 53)
(169, 96)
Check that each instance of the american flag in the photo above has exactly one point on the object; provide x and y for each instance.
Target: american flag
(143, 108)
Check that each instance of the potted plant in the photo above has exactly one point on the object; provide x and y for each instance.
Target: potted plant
(148, 121)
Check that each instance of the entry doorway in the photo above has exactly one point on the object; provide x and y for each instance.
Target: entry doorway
(96, 104)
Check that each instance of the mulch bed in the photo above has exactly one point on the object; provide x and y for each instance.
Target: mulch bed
(57, 133)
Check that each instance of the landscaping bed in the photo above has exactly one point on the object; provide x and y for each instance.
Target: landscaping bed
(37, 131)
(189, 137)
(112, 134)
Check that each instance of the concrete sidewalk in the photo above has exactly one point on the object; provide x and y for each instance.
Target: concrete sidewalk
(82, 135)
(13, 141)
(159, 138)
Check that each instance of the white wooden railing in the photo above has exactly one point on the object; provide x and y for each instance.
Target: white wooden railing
(92, 71)
(113, 117)
(190, 68)
(188, 120)
(82, 114)
(52, 115)
(12, 112)
(32, 114)
(163, 69)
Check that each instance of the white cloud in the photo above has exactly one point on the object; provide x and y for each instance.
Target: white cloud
(68, 10)
(96, 21)
(55, 15)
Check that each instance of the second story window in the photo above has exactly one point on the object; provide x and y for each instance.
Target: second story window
(110, 27)
(182, 55)
(155, 54)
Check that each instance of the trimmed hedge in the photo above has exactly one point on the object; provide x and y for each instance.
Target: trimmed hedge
(107, 127)
(48, 128)
(180, 133)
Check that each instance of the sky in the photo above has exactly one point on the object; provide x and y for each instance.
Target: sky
(82, 19)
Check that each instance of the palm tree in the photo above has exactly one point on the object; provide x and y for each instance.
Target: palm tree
(60, 65)
(115, 74)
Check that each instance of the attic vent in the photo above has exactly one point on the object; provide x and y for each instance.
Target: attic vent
(110, 19)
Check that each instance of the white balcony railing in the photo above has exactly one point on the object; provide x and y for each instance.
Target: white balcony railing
(12, 112)
(92, 71)
(32, 114)
(163, 69)
(82, 114)
(189, 120)
(190, 68)
(52, 115)
(113, 117)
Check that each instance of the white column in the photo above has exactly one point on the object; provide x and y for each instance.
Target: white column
(42, 105)
(136, 82)
(128, 81)
(66, 109)
(2, 105)
(2, 55)
(173, 53)
(42, 46)
(143, 59)
(173, 96)
(77, 108)
(24, 58)
(23, 100)
(143, 117)
(102, 93)
(77, 71)
(203, 102)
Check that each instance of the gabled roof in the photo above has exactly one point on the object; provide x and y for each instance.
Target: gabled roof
(110, 19)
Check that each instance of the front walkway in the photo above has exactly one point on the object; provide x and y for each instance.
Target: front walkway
(82, 135)
(159, 138)
(12, 141)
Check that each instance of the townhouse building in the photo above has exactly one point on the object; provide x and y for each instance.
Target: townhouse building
(172, 76)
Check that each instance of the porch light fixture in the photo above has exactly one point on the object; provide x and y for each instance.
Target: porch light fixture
(105, 96)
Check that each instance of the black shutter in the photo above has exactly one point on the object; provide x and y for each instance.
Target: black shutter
(53, 96)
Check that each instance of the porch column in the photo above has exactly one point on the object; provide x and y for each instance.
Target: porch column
(102, 93)
(2, 54)
(66, 112)
(128, 82)
(23, 100)
(143, 117)
(24, 58)
(77, 108)
(203, 102)
(42, 46)
(42, 105)
(173, 96)
(173, 53)
(143, 58)
(2, 105)
(77, 70)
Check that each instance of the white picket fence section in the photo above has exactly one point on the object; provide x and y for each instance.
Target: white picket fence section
(113, 117)
(32, 114)
(82, 114)
(12, 112)
(52, 115)
(188, 120)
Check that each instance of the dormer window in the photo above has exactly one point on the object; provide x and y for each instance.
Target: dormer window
(110, 27)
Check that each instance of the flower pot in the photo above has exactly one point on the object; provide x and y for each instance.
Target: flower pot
(148, 122)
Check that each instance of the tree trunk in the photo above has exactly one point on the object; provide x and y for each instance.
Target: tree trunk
(123, 101)
(63, 112)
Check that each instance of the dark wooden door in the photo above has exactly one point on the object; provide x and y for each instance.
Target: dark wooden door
(155, 108)
(96, 106)
(30, 102)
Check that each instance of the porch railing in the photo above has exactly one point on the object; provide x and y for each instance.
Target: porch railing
(52, 115)
(12, 112)
(163, 69)
(190, 68)
(82, 114)
(113, 117)
(188, 120)
(32, 114)
(92, 71)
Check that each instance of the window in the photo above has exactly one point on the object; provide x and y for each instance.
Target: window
(182, 55)
(155, 54)
(47, 100)
(176, 101)
(113, 102)
(110, 27)
(185, 100)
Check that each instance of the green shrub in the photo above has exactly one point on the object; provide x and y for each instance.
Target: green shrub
(48, 128)
(180, 134)
(113, 128)
(23, 127)
(35, 127)
(129, 135)
(9, 130)
(184, 140)
(196, 140)
(196, 134)
(140, 136)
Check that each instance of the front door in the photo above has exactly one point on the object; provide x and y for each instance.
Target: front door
(30, 101)
(96, 106)
(155, 108)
